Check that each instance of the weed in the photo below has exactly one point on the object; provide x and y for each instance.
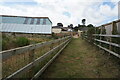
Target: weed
(22, 41)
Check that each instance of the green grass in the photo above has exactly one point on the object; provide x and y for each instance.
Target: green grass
(82, 60)
(22, 41)
(18, 61)
(9, 42)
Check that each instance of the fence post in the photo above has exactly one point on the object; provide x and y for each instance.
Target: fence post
(114, 32)
(59, 42)
(51, 46)
(110, 47)
(94, 37)
(1, 64)
(101, 34)
(31, 59)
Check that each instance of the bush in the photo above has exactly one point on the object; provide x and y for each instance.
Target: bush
(4, 44)
(22, 41)
(5, 41)
(90, 33)
(54, 36)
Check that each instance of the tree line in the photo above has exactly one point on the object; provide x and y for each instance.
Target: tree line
(80, 26)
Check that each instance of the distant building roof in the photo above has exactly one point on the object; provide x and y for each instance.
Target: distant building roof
(56, 26)
(83, 29)
(62, 28)
(65, 28)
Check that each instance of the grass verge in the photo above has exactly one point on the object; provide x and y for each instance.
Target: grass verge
(82, 60)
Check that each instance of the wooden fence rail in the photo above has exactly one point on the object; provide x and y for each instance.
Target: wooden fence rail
(106, 37)
(106, 42)
(109, 43)
(117, 54)
(30, 61)
(8, 53)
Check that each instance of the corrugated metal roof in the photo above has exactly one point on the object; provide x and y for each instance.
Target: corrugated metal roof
(19, 20)
(26, 28)
(26, 17)
(23, 24)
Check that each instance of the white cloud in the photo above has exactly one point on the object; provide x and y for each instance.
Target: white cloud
(16, 0)
(94, 12)
(108, 11)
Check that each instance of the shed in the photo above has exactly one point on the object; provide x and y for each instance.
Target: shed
(56, 29)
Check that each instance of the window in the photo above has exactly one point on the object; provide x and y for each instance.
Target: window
(38, 21)
(48, 22)
(44, 21)
(26, 21)
(32, 21)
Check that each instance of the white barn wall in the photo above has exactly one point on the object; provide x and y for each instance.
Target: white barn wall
(26, 28)
(108, 29)
(118, 27)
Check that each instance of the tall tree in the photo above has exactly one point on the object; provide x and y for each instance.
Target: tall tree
(83, 21)
(71, 25)
(76, 28)
(79, 25)
(90, 25)
(60, 24)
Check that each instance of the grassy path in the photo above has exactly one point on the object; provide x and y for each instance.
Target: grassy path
(82, 60)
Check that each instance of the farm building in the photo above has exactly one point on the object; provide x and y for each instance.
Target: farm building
(59, 29)
(56, 29)
(25, 25)
(109, 28)
(66, 29)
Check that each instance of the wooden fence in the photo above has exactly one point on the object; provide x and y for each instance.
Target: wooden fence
(108, 42)
(108, 46)
(30, 61)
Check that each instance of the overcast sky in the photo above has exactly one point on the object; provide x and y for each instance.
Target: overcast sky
(64, 11)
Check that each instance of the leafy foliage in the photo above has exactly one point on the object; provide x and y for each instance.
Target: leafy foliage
(70, 26)
(54, 36)
(75, 28)
(83, 21)
(5, 40)
(90, 25)
(22, 41)
(90, 33)
(59, 24)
